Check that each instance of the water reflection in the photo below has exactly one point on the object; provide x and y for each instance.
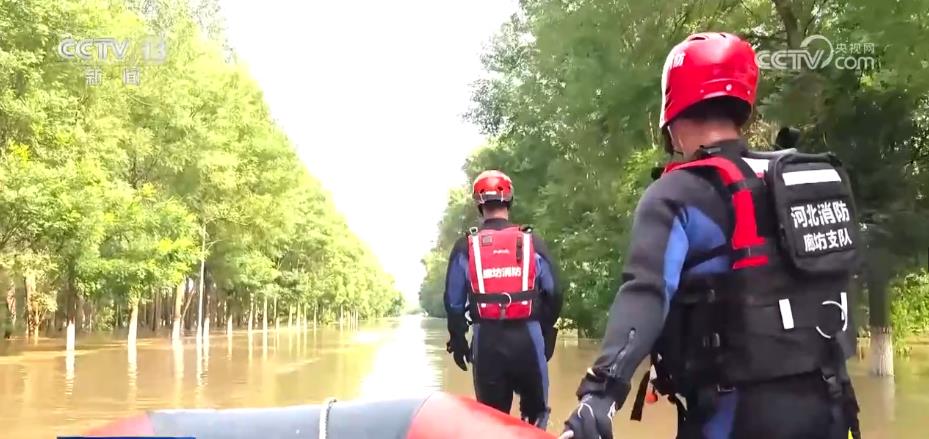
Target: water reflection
(887, 391)
(250, 345)
(177, 350)
(40, 399)
(264, 345)
(133, 374)
(201, 374)
(401, 366)
(69, 373)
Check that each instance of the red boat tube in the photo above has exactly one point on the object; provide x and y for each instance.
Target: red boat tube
(439, 415)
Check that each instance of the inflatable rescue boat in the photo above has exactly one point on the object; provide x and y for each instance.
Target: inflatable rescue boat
(439, 415)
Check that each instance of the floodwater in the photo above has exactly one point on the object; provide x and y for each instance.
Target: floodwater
(45, 393)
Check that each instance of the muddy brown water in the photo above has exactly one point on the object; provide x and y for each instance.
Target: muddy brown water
(44, 392)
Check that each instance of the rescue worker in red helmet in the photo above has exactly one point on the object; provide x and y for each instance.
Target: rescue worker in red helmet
(501, 277)
(735, 279)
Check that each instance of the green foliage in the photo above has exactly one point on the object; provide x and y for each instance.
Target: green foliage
(121, 190)
(571, 98)
(910, 304)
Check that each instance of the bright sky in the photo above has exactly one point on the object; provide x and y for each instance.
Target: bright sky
(372, 92)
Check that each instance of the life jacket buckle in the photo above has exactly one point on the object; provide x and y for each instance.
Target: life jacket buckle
(509, 300)
(724, 389)
(504, 306)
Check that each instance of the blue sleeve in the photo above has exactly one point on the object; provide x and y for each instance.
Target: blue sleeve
(674, 256)
(456, 283)
(543, 275)
(651, 275)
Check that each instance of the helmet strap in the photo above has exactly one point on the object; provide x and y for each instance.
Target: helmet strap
(669, 143)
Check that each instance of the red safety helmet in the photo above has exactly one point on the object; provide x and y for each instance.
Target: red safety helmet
(492, 186)
(704, 66)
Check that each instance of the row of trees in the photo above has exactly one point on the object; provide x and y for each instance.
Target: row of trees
(116, 198)
(572, 95)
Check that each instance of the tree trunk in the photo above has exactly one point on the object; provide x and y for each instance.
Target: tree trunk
(229, 317)
(206, 313)
(251, 312)
(202, 273)
(133, 322)
(264, 315)
(32, 317)
(276, 326)
(882, 359)
(178, 308)
(290, 317)
(11, 306)
(790, 22)
(156, 308)
(71, 308)
(91, 316)
(315, 315)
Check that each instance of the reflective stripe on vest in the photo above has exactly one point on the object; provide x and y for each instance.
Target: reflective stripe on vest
(526, 259)
(479, 272)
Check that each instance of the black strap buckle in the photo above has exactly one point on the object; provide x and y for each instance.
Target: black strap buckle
(724, 389)
(755, 250)
(752, 184)
(833, 386)
(712, 341)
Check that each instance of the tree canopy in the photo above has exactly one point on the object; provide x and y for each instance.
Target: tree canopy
(111, 193)
(570, 102)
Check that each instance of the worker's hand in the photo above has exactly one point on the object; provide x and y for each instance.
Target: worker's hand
(549, 336)
(592, 419)
(458, 346)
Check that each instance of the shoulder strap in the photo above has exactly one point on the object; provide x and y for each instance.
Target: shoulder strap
(739, 181)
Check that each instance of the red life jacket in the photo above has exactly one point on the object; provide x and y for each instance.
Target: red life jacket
(783, 309)
(502, 271)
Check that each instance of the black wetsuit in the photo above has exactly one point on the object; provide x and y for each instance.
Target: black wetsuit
(680, 219)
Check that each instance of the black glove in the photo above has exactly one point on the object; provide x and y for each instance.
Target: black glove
(593, 418)
(539, 420)
(550, 335)
(458, 346)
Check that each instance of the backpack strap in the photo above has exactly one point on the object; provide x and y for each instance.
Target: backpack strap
(663, 385)
(749, 249)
